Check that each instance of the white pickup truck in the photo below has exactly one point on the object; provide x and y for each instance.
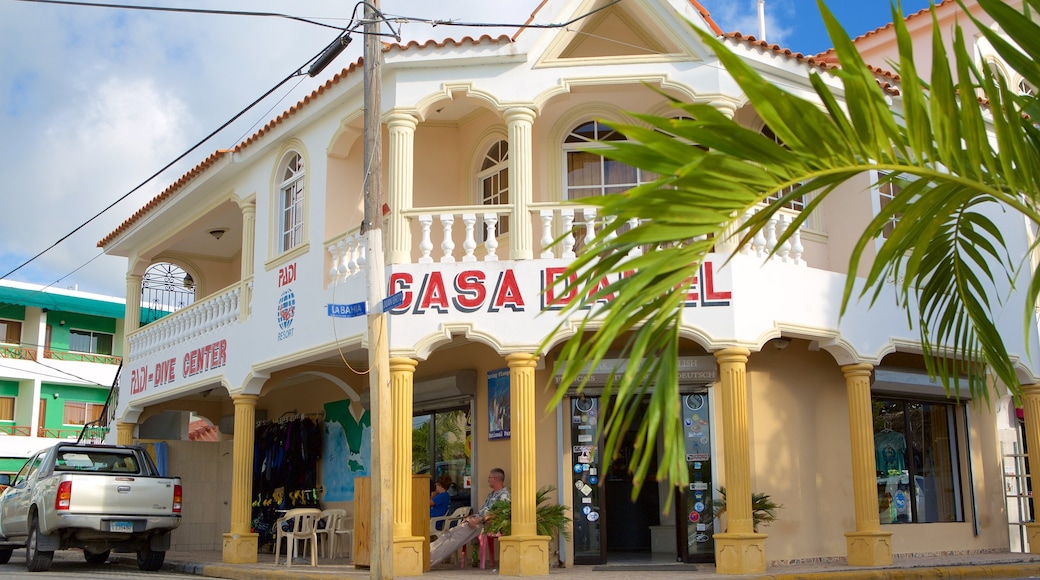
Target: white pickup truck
(99, 498)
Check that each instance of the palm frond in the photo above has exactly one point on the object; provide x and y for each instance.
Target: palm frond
(962, 162)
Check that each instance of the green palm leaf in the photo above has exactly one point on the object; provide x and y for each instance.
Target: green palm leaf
(960, 160)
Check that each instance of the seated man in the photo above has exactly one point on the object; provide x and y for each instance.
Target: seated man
(447, 543)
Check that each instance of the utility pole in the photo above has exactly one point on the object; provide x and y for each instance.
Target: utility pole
(382, 539)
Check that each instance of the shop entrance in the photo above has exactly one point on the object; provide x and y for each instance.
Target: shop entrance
(609, 525)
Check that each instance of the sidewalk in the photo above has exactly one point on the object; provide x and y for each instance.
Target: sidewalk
(990, 565)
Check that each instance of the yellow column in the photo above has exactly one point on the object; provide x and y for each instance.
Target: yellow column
(1031, 407)
(401, 130)
(524, 552)
(519, 124)
(240, 544)
(738, 550)
(868, 545)
(125, 433)
(408, 549)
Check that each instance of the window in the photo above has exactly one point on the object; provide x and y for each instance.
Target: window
(887, 191)
(89, 341)
(440, 440)
(494, 183)
(79, 413)
(915, 456)
(6, 408)
(589, 174)
(11, 331)
(795, 204)
(291, 204)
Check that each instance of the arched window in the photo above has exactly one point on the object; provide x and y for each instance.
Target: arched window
(493, 180)
(290, 204)
(589, 174)
(795, 204)
(165, 289)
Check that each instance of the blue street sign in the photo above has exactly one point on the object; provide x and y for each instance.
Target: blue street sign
(347, 310)
(393, 301)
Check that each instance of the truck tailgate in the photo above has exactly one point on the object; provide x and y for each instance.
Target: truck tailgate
(130, 495)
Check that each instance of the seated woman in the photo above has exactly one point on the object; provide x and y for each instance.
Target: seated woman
(440, 499)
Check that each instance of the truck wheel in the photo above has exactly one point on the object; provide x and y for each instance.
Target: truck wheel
(5, 556)
(36, 560)
(150, 560)
(96, 557)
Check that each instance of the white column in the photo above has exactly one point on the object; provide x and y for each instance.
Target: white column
(399, 189)
(519, 121)
(248, 208)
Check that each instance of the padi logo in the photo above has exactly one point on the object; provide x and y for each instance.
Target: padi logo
(286, 312)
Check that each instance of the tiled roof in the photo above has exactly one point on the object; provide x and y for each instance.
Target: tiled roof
(829, 53)
(411, 45)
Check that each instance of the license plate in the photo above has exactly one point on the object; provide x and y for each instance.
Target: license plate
(127, 527)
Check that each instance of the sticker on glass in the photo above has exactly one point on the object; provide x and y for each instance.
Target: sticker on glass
(593, 516)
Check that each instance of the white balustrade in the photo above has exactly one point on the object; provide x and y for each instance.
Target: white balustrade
(201, 317)
(348, 256)
(471, 225)
(765, 240)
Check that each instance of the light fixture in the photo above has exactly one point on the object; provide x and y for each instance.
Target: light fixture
(189, 282)
(781, 343)
(55, 395)
(218, 233)
(61, 323)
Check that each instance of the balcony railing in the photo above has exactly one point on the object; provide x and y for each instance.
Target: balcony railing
(17, 352)
(92, 434)
(81, 356)
(11, 351)
(453, 235)
(203, 316)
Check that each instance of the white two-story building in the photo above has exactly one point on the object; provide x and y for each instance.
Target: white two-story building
(485, 149)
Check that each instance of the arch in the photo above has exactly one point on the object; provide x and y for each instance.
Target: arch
(289, 198)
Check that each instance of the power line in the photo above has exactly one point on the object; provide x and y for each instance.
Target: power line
(234, 118)
(186, 10)
(298, 72)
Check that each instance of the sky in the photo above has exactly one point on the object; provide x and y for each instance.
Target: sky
(93, 101)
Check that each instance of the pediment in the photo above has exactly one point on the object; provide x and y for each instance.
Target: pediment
(618, 33)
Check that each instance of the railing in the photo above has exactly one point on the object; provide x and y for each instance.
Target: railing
(22, 430)
(470, 234)
(348, 255)
(203, 316)
(17, 352)
(93, 433)
(81, 356)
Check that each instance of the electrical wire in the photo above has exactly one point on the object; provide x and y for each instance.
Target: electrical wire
(186, 10)
(235, 117)
(355, 23)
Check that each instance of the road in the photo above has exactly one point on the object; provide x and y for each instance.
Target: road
(69, 564)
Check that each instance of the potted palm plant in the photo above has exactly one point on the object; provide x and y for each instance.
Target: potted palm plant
(550, 518)
(763, 508)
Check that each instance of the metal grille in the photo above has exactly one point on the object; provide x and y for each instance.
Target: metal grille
(165, 289)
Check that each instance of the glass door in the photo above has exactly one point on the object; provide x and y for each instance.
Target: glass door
(695, 522)
(586, 483)
(441, 445)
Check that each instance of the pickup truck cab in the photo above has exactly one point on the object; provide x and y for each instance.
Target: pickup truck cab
(99, 498)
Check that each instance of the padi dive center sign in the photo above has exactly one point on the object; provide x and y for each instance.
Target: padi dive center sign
(692, 370)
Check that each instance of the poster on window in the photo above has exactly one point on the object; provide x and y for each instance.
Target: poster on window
(498, 404)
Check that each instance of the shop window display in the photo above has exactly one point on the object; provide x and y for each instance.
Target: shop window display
(915, 457)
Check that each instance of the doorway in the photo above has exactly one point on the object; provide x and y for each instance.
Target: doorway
(609, 524)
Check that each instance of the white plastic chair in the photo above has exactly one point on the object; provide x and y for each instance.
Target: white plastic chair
(449, 521)
(343, 535)
(302, 527)
(331, 517)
